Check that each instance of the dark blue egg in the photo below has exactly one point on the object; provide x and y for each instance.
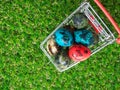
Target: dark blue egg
(62, 60)
(84, 37)
(79, 21)
(63, 37)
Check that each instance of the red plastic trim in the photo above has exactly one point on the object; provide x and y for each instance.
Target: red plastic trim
(109, 18)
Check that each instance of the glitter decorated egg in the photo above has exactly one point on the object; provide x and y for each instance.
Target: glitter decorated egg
(70, 28)
(84, 37)
(79, 53)
(79, 21)
(63, 37)
(52, 47)
(62, 60)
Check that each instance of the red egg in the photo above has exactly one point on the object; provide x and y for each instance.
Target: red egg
(79, 53)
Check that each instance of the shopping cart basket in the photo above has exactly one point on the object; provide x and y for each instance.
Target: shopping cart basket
(65, 54)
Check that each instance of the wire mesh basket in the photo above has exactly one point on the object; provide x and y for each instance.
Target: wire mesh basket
(86, 19)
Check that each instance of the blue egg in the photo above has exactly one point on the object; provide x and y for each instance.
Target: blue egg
(63, 37)
(79, 21)
(84, 37)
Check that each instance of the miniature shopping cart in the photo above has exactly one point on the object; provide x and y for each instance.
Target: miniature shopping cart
(63, 55)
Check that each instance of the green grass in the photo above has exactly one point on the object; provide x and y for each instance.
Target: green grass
(24, 24)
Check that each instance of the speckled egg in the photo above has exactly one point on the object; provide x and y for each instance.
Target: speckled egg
(84, 37)
(70, 28)
(52, 47)
(63, 37)
(79, 53)
(62, 60)
(80, 21)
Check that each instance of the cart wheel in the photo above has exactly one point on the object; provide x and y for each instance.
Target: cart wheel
(118, 40)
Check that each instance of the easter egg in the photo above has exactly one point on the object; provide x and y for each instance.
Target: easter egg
(63, 37)
(52, 47)
(79, 21)
(84, 37)
(62, 60)
(79, 53)
(70, 28)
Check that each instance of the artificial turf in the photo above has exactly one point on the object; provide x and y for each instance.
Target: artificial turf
(24, 24)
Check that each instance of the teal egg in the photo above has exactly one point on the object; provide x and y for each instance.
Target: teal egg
(84, 37)
(63, 37)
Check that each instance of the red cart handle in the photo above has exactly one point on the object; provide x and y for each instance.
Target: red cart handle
(109, 18)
